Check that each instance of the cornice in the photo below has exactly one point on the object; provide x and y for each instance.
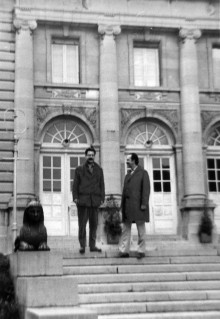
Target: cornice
(123, 19)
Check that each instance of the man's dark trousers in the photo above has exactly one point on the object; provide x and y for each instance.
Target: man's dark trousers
(85, 214)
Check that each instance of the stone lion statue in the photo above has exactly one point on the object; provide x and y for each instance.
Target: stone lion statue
(33, 233)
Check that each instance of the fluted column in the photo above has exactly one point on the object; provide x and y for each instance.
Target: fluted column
(109, 109)
(24, 106)
(194, 184)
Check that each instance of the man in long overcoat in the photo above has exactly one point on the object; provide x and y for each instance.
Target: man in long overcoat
(88, 194)
(135, 208)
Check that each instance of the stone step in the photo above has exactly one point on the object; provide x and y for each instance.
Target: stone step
(153, 277)
(163, 306)
(101, 259)
(60, 312)
(182, 282)
(174, 315)
(186, 252)
(149, 296)
(149, 286)
(140, 268)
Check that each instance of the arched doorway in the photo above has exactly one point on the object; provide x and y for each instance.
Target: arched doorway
(62, 150)
(153, 144)
(213, 170)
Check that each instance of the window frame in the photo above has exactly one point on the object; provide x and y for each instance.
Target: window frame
(72, 35)
(211, 42)
(150, 40)
(215, 46)
(148, 45)
(64, 43)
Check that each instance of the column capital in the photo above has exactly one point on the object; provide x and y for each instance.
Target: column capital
(106, 29)
(25, 25)
(190, 34)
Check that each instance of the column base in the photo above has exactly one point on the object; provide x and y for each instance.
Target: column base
(192, 211)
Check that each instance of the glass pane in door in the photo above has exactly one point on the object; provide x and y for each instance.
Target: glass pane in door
(74, 161)
(213, 174)
(52, 195)
(162, 203)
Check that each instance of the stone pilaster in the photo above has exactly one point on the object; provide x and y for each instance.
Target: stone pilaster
(109, 109)
(193, 166)
(24, 107)
(190, 115)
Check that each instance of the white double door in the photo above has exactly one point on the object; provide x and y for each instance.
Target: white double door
(60, 214)
(162, 203)
(56, 177)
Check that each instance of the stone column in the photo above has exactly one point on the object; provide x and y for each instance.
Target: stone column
(193, 167)
(24, 108)
(109, 109)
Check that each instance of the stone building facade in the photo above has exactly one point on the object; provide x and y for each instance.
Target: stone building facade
(126, 76)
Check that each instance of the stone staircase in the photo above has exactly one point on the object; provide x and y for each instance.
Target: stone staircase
(172, 281)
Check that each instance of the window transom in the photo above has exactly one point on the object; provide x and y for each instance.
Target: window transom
(65, 132)
(147, 134)
(214, 137)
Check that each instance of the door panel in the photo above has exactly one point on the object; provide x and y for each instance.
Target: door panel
(57, 174)
(73, 162)
(52, 193)
(162, 195)
(213, 173)
(162, 202)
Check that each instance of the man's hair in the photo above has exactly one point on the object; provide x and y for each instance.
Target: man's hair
(90, 149)
(134, 158)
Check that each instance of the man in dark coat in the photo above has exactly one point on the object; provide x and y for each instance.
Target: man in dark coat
(135, 208)
(88, 194)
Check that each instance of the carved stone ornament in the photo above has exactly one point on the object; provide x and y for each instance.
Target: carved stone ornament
(68, 94)
(42, 112)
(25, 25)
(150, 96)
(89, 113)
(85, 4)
(104, 29)
(207, 117)
(170, 115)
(190, 34)
(127, 115)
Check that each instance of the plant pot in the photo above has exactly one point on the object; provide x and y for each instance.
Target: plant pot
(113, 240)
(205, 239)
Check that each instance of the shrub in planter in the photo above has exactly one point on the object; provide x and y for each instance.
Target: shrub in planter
(112, 219)
(8, 306)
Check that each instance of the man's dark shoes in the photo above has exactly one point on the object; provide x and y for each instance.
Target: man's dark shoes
(140, 255)
(124, 255)
(82, 250)
(95, 249)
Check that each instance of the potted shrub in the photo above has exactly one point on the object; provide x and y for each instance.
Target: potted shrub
(8, 306)
(205, 227)
(112, 220)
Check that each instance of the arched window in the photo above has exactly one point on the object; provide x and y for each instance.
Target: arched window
(65, 132)
(214, 137)
(147, 134)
